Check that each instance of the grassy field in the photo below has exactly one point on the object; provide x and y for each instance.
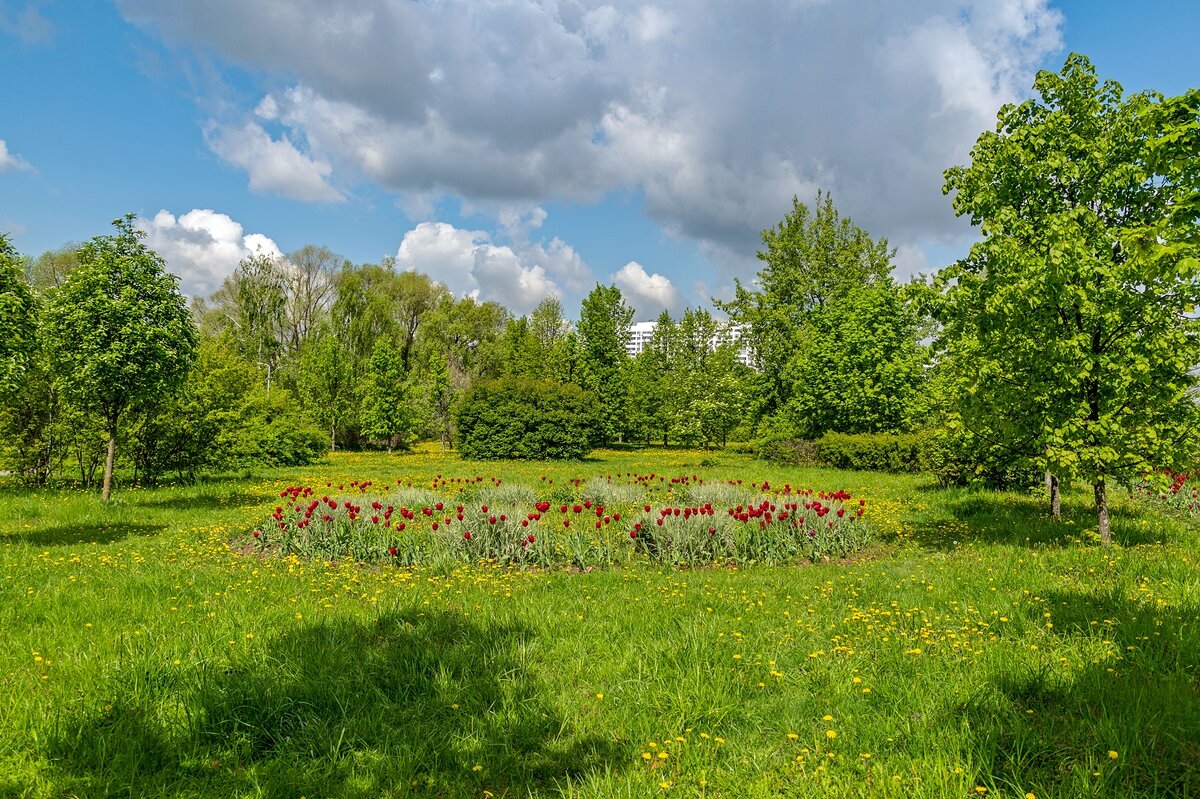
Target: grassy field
(977, 648)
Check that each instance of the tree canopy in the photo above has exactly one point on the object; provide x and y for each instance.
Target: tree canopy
(1078, 308)
(118, 328)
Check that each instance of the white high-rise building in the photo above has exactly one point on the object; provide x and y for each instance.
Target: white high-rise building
(640, 334)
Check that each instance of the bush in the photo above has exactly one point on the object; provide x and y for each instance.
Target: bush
(883, 452)
(527, 419)
(880, 452)
(778, 443)
(957, 458)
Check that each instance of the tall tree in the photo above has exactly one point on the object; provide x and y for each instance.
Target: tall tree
(604, 322)
(826, 284)
(119, 330)
(858, 365)
(325, 381)
(413, 296)
(388, 410)
(18, 319)
(1078, 306)
(309, 275)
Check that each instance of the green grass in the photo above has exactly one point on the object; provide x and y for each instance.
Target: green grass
(979, 644)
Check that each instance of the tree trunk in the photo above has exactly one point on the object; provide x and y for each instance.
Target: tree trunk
(332, 438)
(1102, 513)
(1055, 495)
(108, 463)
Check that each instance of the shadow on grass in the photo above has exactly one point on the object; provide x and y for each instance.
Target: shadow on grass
(1036, 729)
(1023, 520)
(74, 534)
(409, 705)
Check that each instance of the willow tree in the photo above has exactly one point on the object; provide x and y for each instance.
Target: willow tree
(1078, 306)
(118, 329)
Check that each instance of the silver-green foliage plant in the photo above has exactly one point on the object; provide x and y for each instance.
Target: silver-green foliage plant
(1077, 311)
(118, 330)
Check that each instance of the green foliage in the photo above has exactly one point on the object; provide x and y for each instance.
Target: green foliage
(604, 321)
(526, 419)
(221, 418)
(118, 330)
(857, 366)
(18, 319)
(388, 409)
(881, 452)
(836, 341)
(810, 260)
(540, 345)
(878, 452)
(1076, 313)
(325, 380)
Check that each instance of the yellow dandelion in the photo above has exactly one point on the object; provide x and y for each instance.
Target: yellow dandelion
(830, 734)
(793, 736)
(1112, 754)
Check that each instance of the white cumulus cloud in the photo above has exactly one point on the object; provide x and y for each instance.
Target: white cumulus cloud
(274, 165)
(649, 294)
(202, 247)
(470, 264)
(10, 160)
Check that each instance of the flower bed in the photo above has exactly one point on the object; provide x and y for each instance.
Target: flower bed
(680, 522)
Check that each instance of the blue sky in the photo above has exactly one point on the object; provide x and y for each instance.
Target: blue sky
(516, 148)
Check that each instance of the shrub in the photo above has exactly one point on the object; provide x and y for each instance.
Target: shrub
(957, 458)
(777, 443)
(527, 419)
(880, 452)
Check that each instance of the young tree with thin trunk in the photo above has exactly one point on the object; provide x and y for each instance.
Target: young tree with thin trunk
(1079, 304)
(118, 329)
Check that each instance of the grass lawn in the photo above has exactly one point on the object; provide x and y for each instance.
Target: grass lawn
(978, 648)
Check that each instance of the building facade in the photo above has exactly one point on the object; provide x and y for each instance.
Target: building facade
(640, 334)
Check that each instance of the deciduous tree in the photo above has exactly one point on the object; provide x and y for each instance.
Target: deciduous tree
(118, 329)
(1078, 307)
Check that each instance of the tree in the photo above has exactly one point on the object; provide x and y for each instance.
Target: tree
(325, 381)
(387, 408)
(857, 367)
(18, 319)
(1078, 306)
(827, 325)
(603, 335)
(51, 269)
(653, 384)
(413, 295)
(308, 276)
(119, 329)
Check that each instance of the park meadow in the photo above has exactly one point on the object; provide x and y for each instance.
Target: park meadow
(974, 647)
